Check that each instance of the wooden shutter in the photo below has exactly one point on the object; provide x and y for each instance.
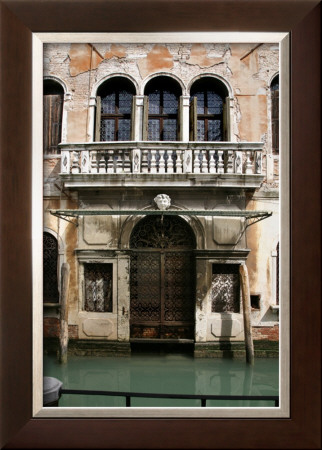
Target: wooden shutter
(53, 112)
(133, 118)
(226, 120)
(145, 118)
(193, 119)
(98, 120)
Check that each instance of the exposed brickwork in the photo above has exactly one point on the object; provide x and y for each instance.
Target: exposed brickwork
(263, 333)
(52, 328)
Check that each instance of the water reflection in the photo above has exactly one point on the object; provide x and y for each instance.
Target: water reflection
(168, 373)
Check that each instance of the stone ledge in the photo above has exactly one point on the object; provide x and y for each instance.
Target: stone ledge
(84, 347)
(235, 350)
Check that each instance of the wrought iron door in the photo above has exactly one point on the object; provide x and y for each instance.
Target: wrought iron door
(162, 279)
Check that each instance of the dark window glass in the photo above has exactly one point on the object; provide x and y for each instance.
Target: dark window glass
(116, 108)
(50, 279)
(275, 113)
(163, 94)
(210, 96)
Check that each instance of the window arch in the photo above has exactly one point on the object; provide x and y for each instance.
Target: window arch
(274, 88)
(53, 101)
(209, 110)
(114, 113)
(162, 109)
(50, 275)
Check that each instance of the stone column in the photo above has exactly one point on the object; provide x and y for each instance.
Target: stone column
(138, 114)
(184, 118)
(90, 132)
(123, 297)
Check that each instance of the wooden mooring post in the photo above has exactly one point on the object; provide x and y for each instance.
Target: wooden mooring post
(246, 313)
(63, 338)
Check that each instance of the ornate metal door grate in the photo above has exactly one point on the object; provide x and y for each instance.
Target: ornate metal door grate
(162, 279)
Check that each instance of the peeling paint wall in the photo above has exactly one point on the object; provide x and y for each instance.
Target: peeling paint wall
(246, 70)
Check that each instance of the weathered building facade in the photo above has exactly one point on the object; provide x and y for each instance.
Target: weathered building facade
(160, 164)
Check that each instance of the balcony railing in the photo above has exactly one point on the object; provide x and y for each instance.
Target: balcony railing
(162, 158)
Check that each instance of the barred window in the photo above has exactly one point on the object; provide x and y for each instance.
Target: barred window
(162, 95)
(50, 278)
(53, 112)
(98, 287)
(209, 110)
(225, 288)
(114, 110)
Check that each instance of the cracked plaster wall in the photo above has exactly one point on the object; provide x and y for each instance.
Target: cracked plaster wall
(247, 70)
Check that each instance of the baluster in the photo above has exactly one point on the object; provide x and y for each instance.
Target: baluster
(179, 161)
(249, 168)
(65, 162)
(119, 161)
(110, 161)
(258, 162)
(170, 161)
(102, 163)
(212, 162)
(153, 162)
(187, 161)
(229, 161)
(204, 162)
(196, 162)
(93, 155)
(145, 162)
(84, 161)
(238, 162)
(136, 160)
(127, 162)
(220, 165)
(161, 162)
(75, 165)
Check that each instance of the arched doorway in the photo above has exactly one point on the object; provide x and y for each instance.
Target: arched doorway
(162, 279)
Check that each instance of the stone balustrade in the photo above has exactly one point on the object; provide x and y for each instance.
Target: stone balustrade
(162, 158)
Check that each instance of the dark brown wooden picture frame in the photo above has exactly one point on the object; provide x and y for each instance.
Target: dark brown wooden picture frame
(19, 19)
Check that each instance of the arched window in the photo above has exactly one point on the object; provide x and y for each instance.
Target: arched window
(114, 110)
(209, 110)
(50, 278)
(275, 113)
(53, 112)
(162, 108)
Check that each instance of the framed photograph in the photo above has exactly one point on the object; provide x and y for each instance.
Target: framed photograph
(98, 181)
(157, 197)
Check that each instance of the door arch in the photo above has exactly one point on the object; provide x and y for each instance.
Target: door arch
(162, 279)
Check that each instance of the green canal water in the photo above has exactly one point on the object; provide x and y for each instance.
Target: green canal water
(164, 373)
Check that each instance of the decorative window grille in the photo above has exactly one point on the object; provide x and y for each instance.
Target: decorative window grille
(225, 288)
(98, 287)
(114, 110)
(163, 95)
(275, 113)
(53, 101)
(50, 279)
(209, 111)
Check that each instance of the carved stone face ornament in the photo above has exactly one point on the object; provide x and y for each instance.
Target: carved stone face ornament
(162, 201)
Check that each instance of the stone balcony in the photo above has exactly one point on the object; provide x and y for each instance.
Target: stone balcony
(198, 164)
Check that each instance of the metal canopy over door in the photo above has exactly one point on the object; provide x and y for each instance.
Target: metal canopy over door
(162, 279)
